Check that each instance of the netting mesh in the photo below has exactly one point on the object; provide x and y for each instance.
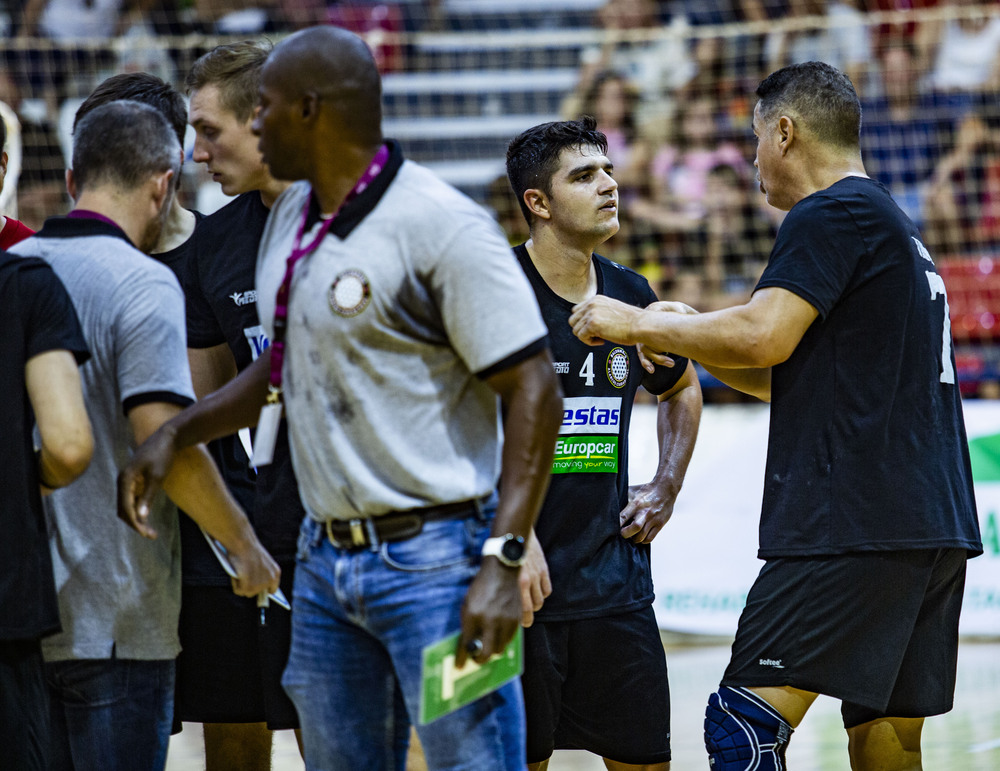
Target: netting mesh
(671, 83)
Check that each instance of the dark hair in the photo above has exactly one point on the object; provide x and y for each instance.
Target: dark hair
(3, 134)
(533, 155)
(139, 87)
(820, 96)
(631, 99)
(234, 69)
(122, 143)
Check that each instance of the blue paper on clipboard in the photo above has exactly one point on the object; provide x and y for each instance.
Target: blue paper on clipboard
(223, 557)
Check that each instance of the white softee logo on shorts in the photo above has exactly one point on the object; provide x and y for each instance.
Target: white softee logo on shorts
(588, 437)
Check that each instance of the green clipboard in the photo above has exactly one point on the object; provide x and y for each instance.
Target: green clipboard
(446, 688)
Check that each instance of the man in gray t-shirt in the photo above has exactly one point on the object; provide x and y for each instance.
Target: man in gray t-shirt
(110, 670)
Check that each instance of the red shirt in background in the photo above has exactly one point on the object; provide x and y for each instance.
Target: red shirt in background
(13, 231)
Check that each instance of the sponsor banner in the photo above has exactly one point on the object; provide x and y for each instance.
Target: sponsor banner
(704, 560)
(591, 415)
(578, 454)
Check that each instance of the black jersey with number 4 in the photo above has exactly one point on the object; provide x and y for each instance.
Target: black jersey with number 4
(594, 570)
(867, 448)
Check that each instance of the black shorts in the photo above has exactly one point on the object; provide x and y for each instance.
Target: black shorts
(230, 666)
(877, 630)
(599, 685)
(24, 706)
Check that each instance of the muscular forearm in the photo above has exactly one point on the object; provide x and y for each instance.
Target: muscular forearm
(678, 418)
(195, 485)
(533, 412)
(755, 382)
(726, 338)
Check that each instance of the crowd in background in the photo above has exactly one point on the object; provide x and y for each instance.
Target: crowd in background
(670, 83)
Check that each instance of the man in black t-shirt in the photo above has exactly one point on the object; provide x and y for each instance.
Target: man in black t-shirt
(868, 514)
(594, 530)
(40, 351)
(228, 676)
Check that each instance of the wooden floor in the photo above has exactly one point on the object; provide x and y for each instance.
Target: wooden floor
(966, 739)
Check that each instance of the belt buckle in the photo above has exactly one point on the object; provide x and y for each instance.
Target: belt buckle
(357, 532)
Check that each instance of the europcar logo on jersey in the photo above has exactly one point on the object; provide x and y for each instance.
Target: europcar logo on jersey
(618, 367)
(350, 293)
(588, 437)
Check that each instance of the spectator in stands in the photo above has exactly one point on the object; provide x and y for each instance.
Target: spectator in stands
(842, 39)
(11, 231)
(41, 188)
(905, 129)
(613, 101)
(654, 57)
(967, 50)
(55, 72)
(730, 246)
(678, 174)
(500, 198)
(962, 208)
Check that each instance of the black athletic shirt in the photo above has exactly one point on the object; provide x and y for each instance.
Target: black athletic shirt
(198, 565)
(222, 308)
(594, 570)
(37, 316)
(867, 447)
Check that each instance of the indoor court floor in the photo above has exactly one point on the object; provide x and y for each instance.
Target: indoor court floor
(966, 739)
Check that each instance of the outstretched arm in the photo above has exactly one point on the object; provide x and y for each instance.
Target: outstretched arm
(651, 505)
(195, 485)
(222, 413)
(755, 336)
(532, 402)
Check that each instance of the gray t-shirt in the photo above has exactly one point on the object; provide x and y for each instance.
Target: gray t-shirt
(117, 590)
(412, 296)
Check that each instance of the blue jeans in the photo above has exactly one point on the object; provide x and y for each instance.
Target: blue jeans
(110, 714)
(361, 621)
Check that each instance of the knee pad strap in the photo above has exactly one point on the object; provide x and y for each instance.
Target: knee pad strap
(744, 733)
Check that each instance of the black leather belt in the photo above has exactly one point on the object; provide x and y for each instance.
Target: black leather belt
(395, 526)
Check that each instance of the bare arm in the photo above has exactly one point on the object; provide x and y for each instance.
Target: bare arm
(211, 368)
(532, 402)
(195, 485)
(651, 505)
(757, 335)
(56, 395)
(221, 413)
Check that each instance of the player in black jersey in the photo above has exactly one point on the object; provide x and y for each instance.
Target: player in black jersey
(868, 514)
(229, 673)
(595, 672)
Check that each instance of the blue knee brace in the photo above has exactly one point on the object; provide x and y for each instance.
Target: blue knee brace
(744, 733)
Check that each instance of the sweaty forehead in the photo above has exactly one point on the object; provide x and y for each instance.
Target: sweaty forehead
(582, 155)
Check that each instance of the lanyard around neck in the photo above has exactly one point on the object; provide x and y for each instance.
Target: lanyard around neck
(298, 252)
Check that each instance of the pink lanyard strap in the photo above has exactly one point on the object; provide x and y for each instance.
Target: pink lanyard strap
(298, 252)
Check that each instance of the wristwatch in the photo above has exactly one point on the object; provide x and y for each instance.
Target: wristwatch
(509, 549)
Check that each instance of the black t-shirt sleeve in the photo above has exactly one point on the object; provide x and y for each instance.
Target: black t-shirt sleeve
(203, 328)
(816, 253)
(51, 323)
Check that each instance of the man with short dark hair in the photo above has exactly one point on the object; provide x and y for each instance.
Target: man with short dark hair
(594, 529)
(868, 513)
(110, 671)
(403, 328)
(157, 93)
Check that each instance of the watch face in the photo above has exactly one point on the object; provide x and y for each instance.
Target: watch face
(513, 549)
